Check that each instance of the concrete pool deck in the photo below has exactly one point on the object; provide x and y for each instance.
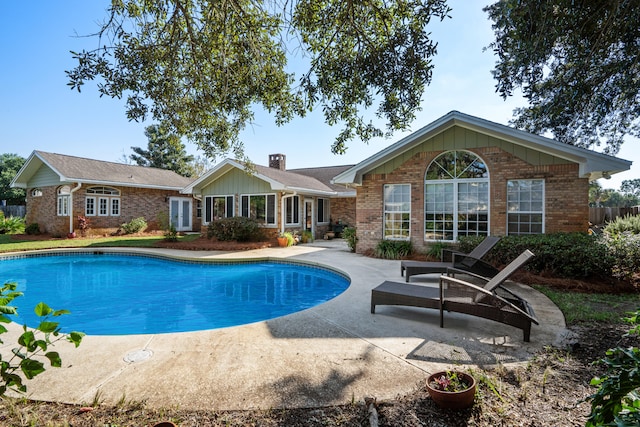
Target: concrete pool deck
(334, 353)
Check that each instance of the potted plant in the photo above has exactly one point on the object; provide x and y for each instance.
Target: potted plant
(285, 239)
(452, 389)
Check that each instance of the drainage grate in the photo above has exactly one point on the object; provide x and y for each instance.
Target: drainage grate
(138, 356)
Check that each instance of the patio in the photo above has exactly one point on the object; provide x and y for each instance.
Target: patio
(331, 354)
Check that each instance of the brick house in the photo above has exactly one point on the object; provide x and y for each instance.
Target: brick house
(462, 175)
(60, 188)
(284, 200)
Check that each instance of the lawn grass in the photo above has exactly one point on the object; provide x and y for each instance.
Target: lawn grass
(8, 244)
(592, 307)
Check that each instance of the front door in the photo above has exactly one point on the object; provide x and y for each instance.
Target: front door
(180, 213)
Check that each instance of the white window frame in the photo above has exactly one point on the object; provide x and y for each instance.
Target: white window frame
(90, 206)
(324, 211)
(229, 202)
(63, 200)
(100, 194)
(103, 206)
(451, 205)
(270, 217)
(291, 207)
(114, 206)
(522, 203)
(396, 208)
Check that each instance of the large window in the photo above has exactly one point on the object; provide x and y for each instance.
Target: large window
(64, 197)
(525, 206)
(323, 211)
(292, 210)
(397, 211)
(456, 197)
(217, 207)
(102, 201)
(261, 207)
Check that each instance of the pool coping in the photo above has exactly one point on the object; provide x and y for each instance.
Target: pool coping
(326, 355)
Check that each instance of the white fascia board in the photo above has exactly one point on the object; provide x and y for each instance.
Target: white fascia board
(30, 166)
(306, 191)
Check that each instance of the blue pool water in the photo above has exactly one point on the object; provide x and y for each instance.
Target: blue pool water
(115, 294)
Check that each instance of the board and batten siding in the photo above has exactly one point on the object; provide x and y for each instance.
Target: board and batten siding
(237, 182)
(459, 138)
(45, 177)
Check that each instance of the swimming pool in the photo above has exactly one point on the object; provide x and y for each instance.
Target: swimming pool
(122, 294)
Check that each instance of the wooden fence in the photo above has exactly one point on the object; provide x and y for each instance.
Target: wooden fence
(16, 210)
(600, 216)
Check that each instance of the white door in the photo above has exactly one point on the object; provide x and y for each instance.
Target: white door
(180, 213)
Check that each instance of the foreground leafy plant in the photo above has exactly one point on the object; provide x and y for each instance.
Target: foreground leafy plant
(617, 401)
(33, 344)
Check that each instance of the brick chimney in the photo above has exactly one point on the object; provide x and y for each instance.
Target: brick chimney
(278, 161)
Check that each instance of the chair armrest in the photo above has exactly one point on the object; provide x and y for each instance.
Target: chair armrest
(496, 300)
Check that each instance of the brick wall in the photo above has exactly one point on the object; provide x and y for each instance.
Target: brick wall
(344, 209)
(566, 195)
(134, 203)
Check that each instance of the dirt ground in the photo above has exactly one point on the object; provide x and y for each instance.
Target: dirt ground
(548, 391)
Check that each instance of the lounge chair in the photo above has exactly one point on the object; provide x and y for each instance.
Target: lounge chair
(469, 262)
(491, 301)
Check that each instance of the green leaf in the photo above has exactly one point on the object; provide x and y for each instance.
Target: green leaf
(48, 327)
(76, 338)
(61, 312)
(31, 368)
(27, 339)
(42, 309)
(54, 358)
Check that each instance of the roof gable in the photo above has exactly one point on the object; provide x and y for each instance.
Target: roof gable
(67, 169)
(592, 165)
(306, 181)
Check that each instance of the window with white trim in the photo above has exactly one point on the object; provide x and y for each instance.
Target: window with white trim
(36, 192)
(525, 206)
(397, 211)
(64, 197)
(261, 207)
(292, 210)
(456, 196)
(102, 201)
(323, 211)
(90, 206)
(217, 207)
(198, 208)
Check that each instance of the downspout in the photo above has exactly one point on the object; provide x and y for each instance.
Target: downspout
(73, 190)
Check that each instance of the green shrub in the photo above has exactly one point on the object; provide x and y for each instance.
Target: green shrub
(616, 402)
(625, 249)
(171, 234)
(237, 228)
(626, 224)
(393, 249)
(11, 225)
(290, 239)
(435, 249)
(306, 236)
(568, 255)
(32, 229)
(349, 234)
(136, 225)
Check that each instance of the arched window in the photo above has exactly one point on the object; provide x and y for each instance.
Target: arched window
(64, 196)
(102, 201)
(456, 196)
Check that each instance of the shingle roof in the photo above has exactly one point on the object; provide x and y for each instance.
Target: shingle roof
(81, 169)
(325, 175)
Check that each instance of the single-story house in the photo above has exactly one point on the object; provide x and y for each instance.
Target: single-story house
(60, 188)
(458, 176)
(284, 200)
(462, 175)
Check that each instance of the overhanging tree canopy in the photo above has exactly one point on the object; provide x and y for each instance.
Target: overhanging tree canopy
(577, 63)
(200, 67)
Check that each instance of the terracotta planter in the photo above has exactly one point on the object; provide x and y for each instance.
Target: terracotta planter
(72, 235)
(453, 399)
(283, 242)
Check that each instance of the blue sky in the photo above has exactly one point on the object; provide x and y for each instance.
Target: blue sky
(38, 111)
